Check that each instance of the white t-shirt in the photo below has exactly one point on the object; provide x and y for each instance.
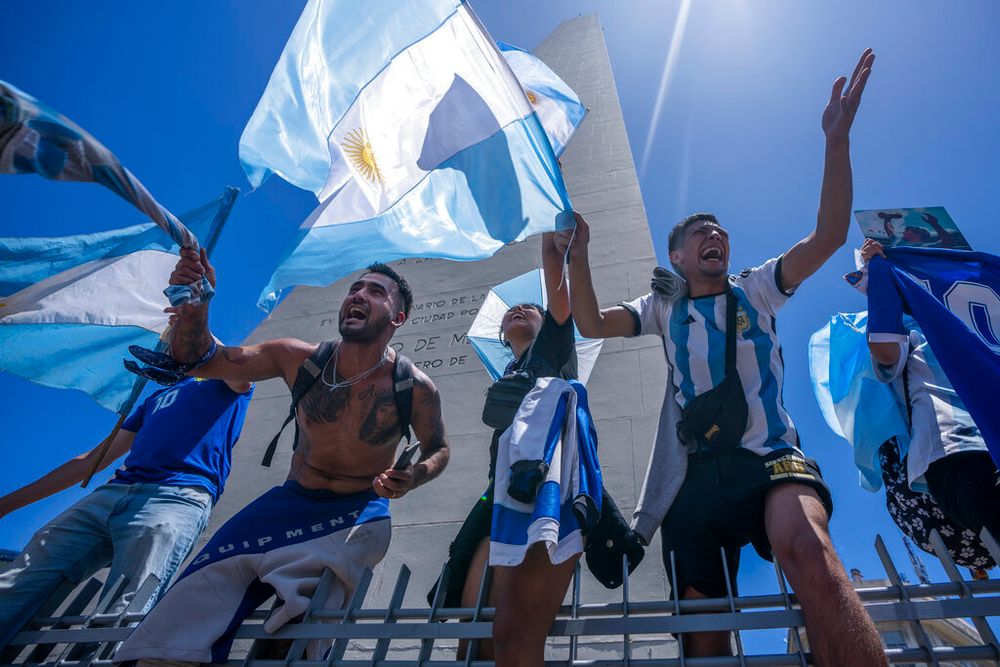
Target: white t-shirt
(694, 335)
(939, 423)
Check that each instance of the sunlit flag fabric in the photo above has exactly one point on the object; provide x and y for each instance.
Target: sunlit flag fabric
(74, 304)
(558, 106)
(36, 139)
(856, 405)
(484, 335)
(408, 124)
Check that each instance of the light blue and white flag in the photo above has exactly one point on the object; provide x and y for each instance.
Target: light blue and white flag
(856, 405)
(417, 138)
(70, 306)
(558, 106)
(37, 139)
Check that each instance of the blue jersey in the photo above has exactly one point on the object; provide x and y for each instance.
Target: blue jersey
(954, 295)
(185, 436)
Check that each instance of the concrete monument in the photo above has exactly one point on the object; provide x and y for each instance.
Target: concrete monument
(626, 388)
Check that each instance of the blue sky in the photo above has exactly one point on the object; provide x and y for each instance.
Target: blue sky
(169, 86)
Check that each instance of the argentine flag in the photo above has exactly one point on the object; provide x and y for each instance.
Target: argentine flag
(855, 404)
(558, 106)
(74, 304)
(407, 122)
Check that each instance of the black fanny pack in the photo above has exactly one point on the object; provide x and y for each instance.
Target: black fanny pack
(717, 419)
(504, 397)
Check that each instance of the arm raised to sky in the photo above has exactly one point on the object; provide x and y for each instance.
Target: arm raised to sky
(556, 291)
(191, 338)
(590, 319)
(885, 353)
(834, 216)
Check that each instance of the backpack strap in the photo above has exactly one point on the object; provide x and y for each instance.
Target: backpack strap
(730, 330)
(310, 371)
(402, 387)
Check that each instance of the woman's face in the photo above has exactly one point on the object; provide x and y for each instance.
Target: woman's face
(522, 322)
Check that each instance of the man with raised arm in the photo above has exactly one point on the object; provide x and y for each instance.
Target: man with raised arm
(333, 511)
(146, 519)
(738, 476)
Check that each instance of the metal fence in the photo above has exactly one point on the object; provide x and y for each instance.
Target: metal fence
(394, 636)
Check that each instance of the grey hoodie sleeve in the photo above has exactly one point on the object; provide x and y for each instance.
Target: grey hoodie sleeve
(666, 470)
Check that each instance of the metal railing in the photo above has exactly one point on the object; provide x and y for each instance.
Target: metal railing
(394, 635)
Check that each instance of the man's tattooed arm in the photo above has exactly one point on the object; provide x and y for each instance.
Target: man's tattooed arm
(190, 337)
(428, 427)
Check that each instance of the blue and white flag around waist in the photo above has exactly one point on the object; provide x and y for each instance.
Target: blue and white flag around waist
(417, 138)
(70, 306)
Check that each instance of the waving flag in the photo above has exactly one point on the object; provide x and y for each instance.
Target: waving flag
(954, 295)
(74, 304)
(408, 124)
(856, 405)
(558, 107)
(36, 139)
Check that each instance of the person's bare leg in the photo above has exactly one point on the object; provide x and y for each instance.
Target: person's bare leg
(528, 598)
(701, 644)
(470, 593)
(839, 629)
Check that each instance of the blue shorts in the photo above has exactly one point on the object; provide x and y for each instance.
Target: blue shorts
(280, 545)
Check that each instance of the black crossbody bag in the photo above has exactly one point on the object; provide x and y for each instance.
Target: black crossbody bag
(503, 397)
(717, 419)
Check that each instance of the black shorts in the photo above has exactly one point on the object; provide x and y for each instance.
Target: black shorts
(720, 505)
(966, 486)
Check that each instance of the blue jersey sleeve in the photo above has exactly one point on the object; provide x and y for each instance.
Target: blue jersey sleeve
(885, 304)
(134, 421)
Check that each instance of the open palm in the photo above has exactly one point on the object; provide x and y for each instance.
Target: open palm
(840, 110)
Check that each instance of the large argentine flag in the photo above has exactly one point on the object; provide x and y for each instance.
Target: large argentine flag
(75, 303)
(408, 124)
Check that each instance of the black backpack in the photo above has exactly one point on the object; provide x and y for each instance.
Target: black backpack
(312, 368)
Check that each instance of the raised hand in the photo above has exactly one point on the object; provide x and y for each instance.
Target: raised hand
(575, 240)
(841, 109)
(191, 266)
(871, 248)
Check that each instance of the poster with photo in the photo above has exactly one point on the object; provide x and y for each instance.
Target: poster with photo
(929, 227)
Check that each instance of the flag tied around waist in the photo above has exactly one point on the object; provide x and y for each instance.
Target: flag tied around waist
(34, 138)
(954, 295)
(70, 306)
(410, 127)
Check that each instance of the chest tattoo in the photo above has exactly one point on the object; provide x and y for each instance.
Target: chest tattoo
(381, 422)
(322, 405)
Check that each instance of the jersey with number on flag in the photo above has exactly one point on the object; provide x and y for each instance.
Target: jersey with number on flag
(955, 297)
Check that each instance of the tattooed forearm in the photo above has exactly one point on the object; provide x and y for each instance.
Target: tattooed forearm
(191, 337)
(429, 427)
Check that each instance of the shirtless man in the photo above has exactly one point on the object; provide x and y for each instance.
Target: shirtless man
(333, 510)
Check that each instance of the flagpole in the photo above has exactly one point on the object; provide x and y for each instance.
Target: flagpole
(228, 199)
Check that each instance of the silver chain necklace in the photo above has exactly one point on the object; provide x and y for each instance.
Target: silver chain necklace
(334, 386)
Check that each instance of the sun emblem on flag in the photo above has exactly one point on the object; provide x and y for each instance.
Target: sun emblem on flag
(359, 151)
(531, 96)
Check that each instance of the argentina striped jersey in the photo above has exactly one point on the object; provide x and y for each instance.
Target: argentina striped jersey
(694, 336)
